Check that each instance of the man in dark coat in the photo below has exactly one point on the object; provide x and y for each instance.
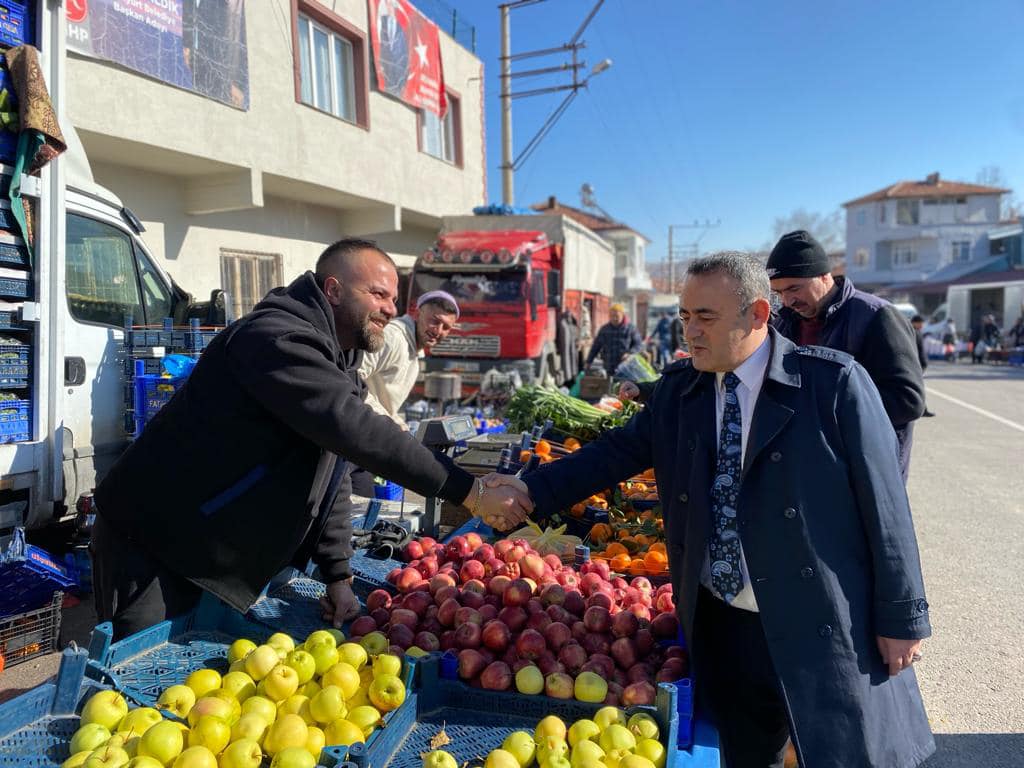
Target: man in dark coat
(791, 547)
(246, 470)
(616, 339)
(819, 309)
(917, 323)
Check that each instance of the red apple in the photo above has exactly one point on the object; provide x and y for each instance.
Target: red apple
(575, 603)
(531, 644)
(513, 617)
(400, 635)
(471, 664)
(428, 641)
(448, 640)
(676, 652)
(381, 616)
(458, 548)
(502, 547)
(558, 685)
(595, 643)
(623, 651)
(602, 569)
(496, 677)
(534, 605)
(625, 624)
(597, 619)
(554, 562)
(644, 642)
(446, 613)
(549, 664)
(437, 582)
(447, 592)
(665, 626)
(472, 598)
(557, 634)
(664, 603)
(639, 672)
(474, 540)
(466, 614)
(484, 553)
(573, 656)
(519, 664)
(607, 663)
(404, 616)
(496, 636)
(418, 602)
(472, 569)
(517, 593)
(640, 611)
(408, 579)
(553, 594)
(638, 693)
(433, 626)
(393, 574)
(579, 631)
(379, 598)
(539, 622)
(412, 551)
(364, 625)
(467, 635)
(428, 566)
(532, 567)
(601, 600)
(428, 543)
(559, 614)
(487, 612)
(498, 585)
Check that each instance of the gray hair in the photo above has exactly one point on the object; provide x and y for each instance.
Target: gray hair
(747, 271)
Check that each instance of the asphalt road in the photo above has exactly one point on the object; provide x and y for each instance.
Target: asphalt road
(967, 491)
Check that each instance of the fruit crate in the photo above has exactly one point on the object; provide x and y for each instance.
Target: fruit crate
(473, 525)
(14, 287)
(144, 664)
(31, 634)
(151, 394)
(36, 726)
(29, 576)
(15, 360)
(175, 339)
(13, 252)
(475, 720)
(371, 573)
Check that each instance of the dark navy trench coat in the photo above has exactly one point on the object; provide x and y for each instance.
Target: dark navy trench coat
(826, 530)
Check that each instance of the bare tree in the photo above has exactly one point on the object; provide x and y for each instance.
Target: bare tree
(993, 176)
(827, 229)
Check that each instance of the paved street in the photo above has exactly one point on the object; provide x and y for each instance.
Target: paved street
(967, 491)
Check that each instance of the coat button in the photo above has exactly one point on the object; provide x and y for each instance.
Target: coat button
(789, 513)
(776, 456)
(806, 573)
(690, 444)
(684, 497)
(922, 606)
(825, 630)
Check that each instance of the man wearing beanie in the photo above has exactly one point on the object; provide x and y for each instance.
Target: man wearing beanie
(822, 310)
(616, 339)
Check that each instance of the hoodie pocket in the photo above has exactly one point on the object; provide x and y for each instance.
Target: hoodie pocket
(228, 495)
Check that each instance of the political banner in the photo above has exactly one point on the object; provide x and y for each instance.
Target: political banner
(407, 55)
(199, 45)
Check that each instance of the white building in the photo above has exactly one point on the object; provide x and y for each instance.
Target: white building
(247, 199)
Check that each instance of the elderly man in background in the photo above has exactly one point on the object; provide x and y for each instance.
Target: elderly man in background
(617, 339)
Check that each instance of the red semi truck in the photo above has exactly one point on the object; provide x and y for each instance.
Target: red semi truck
(513, 276)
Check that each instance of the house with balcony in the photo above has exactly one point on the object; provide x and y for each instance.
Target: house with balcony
(632, 282)
(909, 240)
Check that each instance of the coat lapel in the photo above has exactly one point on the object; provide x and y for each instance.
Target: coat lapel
(770, 415)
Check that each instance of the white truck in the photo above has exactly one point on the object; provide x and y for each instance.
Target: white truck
(90, 271)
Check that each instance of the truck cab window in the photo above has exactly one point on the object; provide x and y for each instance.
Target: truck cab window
(156, 295)
(101, 282)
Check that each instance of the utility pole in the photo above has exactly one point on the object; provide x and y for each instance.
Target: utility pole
(510, 165)
(691, 248)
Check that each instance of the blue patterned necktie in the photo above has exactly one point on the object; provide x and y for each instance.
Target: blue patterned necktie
(724, 544)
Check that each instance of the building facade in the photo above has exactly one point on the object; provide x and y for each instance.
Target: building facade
(909, 231)
(245, 199)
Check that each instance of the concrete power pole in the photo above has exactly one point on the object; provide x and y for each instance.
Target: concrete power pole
(507, 184)
(671, 263)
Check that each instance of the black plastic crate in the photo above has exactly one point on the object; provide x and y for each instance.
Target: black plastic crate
(31, 634)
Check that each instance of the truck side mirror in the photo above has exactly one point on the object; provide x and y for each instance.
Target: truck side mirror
(555, 289)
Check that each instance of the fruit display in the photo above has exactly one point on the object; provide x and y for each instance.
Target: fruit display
(278, 700)
(534, 405)
(611, 739)
(517, 620)
(549, 541)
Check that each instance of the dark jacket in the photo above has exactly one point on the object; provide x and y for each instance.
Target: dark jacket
(613, 343)
(921, 355)
(227, 483)
(826, 530)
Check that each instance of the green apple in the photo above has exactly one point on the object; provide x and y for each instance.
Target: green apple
(240, 649)
(365, 717)
(303, 663)
(202, 681)
(77, 759)
(281, 641)
(374, 643)
(196, 757)
(310, 689)
(296, 704)
(328, 705)
(590, 687)
(415, 652)
(163, 742)
(239, 685)
(387, 692)
(252, 727)
(242, 753)
(556, 761)
(287, 731)
(325, 655)
(138, 721)
(387, 664)
(258, 705)
(142, 761)
(343, 733)
(354, 654)
(107, 757)
(280, 683)
(530, 680)
(319, 637)
(293, 757)
(438, 759)
(344, 676)
(259, 663)
(178, 699)
(89, 738)
(316, 740)
(210, 732)
(520, 745)
(337, 634)
(107, 708)
(211, 705)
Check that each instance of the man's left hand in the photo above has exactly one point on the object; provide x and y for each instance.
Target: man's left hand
(898, 654)
(339, 604)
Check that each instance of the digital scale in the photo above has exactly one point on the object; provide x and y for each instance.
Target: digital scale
(441, 434)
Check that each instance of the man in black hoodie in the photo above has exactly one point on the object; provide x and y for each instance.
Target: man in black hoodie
(246, 470)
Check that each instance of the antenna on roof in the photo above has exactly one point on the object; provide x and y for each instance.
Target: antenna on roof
(589, 200)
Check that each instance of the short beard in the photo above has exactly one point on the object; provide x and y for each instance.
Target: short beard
(369, 338)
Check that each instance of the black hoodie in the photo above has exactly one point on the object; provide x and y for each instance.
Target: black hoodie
(227, 483)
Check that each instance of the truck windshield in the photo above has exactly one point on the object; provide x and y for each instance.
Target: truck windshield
(473, 287)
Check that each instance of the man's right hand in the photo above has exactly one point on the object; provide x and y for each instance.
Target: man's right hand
(503, 504)
(628, 390)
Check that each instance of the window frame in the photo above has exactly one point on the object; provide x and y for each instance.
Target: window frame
(239, 253)
(914, 209)
(911, 250)
(955, 251)
(862, 257)
(454, 100)
(356, 37)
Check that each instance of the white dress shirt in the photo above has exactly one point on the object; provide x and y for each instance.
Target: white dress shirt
(751, 375)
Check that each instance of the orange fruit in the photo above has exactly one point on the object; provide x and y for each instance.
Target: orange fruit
(572, 444)
(614, 549)
(542, 448)
(658, 546)
(524, 456)
(656, 561)
(621, 563)
(637, 567)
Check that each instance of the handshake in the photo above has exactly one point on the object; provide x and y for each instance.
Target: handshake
(501, 501)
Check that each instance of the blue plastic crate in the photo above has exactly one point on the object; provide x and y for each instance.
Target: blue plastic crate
(8, 139)
(9, 321)
(151, 394)
(389, 491)
(15, 359)
(293, 607)
(476, 720)
(146, 663)
(473, 525)
(371, 571)
(14, 287)
(13, 252)
(7, 221)
(29, 576)
(14, 410)
(151, 366)
(15, 431)
(16, 23)
(36, 727)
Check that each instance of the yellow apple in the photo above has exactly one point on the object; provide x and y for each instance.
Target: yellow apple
(583, 730)
(259, 663)
(387, 692)
(287, 731)
(280, 683)
(89, 738)
(365, 717)
(605, 716)
(387, 664)
(303, 663)
(77, 759)
(178, 699)
(252, 727)
(210, 732)
(586, 752)
(202, 681)
(344, 676)
(310, 689)
(282, 641)
(261, 706)
(617, 736)
(142, 761)
(296, 705)
(318, 637)
(107, 708)
(500, 758)
(520, 744)
(343, 733)
(324, 653)
(293, 757)
(438, 759)
(138, 721)
(240, 649)
(163, 742)
(242, 753)
(107, 757)
(354, 654)
(328, 705)
(315, 741)
(196, 757)
(212, 705)
(239, 684)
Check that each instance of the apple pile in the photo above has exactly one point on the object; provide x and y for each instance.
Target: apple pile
(519, 620)
(277, 699)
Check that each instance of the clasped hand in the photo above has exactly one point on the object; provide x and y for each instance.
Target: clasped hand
(504, 504)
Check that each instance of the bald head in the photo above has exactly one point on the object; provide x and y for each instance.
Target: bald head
(360, 283)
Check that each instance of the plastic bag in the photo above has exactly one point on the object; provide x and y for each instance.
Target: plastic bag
(636, 368)
(179, 365)
(550, 541)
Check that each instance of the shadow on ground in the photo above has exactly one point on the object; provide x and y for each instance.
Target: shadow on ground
(981, 750)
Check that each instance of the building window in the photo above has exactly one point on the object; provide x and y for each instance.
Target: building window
(908, 212)
(248, 276)
(881, 212)
(330, 70)
(862, 217)
(961, 251)
(621, 256)
(862, 257)
(441, 137)
(904, 256)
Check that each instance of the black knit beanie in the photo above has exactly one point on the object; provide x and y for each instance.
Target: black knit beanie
(797, 254)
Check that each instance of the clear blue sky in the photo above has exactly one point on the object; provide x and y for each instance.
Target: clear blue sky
(745, 111)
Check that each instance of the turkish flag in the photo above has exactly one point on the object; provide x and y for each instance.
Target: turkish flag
(407, 55)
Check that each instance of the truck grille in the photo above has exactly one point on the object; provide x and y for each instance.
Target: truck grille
(472, 346)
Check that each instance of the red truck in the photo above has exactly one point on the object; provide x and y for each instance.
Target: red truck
(513, 276)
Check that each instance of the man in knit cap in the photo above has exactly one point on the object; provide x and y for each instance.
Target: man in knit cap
(822, 310)
(617, 339)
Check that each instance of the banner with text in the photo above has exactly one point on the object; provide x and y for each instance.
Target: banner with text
(195, 44)
(407, 55)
